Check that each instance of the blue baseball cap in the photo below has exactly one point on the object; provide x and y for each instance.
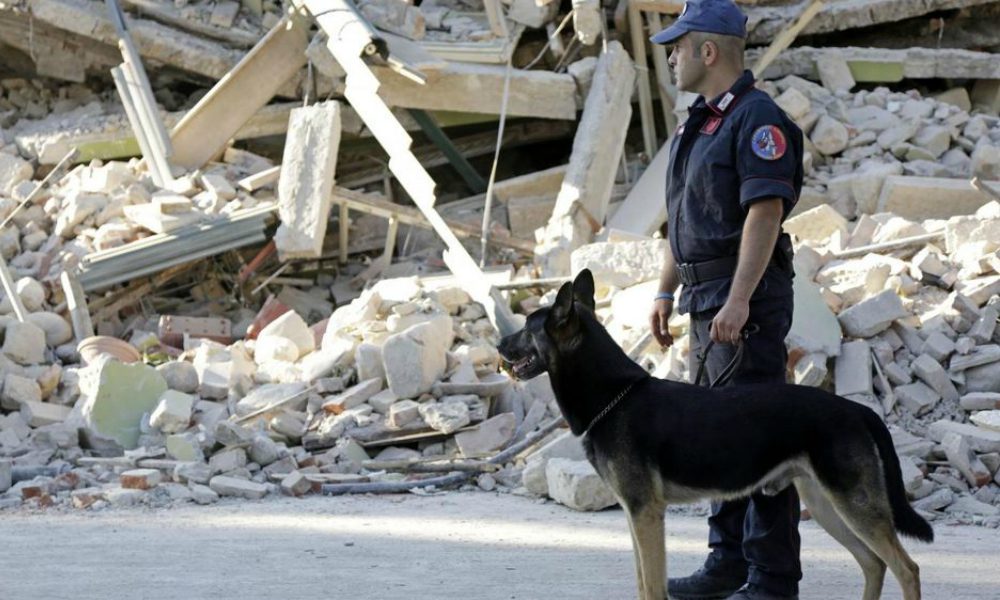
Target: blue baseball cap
(711, 16)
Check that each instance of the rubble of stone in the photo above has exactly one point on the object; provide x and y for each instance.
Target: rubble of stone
(283, 381)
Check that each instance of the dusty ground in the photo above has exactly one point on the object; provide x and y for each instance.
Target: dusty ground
(456, 545)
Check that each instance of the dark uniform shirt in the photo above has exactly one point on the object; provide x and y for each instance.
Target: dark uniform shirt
(731, 152)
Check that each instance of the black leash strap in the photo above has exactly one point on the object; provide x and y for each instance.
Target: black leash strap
(730, 369)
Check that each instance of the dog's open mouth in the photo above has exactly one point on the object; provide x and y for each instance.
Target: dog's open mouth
(524, 365)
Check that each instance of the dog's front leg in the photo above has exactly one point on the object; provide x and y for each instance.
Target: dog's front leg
(646, 525)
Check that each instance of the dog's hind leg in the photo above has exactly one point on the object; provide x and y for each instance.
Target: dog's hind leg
(646, 524)
(826, 515)
(866, 510)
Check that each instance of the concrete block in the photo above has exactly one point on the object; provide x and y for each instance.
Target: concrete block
(368, 361)
(938, 346)
(980, 440)
(620, 264)
(173, 412)
(269, 394)
(202, 494)
(403, 412)
(292, 327)
(795, 104)
(985, 161)
(38, 414)
(930, 372)
(179, 375)
(853, 373)
(834, 73)
(414, 359)
(577, 485)
(817, 224)
(264, 450)
(983, 329)
(829, 135)
(981, 355)
(184, 446)
(919, 198)
(24, 343)
(227, 460)
(970, 506)
(115, 396)
(17, 390)
(917, 397)
(987, 419)
(383, 401)
(140, 479)
(296, 484)
(492, 434)
(306, 181)
(353, 396)
(57, 330)
(446, 417)
(241, 488)
(936, 501)
(192, 473)
(873, 315)
(961, 456)
(980, 401)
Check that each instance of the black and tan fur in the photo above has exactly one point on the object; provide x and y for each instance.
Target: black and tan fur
(668, 442)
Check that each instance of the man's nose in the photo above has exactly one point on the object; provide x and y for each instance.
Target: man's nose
(672, 59)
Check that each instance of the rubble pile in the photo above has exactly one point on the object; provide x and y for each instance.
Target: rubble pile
(191, 309)
(292, 409)
(856, 140)
(921, 340)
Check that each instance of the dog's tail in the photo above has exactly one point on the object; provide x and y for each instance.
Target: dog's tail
(906, 520)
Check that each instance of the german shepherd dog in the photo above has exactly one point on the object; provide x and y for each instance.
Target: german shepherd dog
(657, 442)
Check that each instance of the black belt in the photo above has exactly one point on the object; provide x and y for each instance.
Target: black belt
(717, 268)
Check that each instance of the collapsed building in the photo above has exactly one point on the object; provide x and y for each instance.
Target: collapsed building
(252, 248)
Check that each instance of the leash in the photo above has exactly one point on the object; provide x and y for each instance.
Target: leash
(730, 369)
(607, 409)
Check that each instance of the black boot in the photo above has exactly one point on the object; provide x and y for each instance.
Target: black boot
(707, 584)
(755, 592)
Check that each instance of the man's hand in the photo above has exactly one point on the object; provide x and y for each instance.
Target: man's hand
(729, 321)
(658, 319)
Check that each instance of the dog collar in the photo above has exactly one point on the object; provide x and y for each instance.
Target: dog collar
(608, 408)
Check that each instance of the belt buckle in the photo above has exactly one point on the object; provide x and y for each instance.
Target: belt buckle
(686, 271)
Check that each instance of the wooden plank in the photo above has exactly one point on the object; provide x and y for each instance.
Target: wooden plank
(639, 38)
(787, 36)
(207, 127)
(76, 303)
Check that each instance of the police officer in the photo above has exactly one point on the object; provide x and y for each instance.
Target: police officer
(735, 172)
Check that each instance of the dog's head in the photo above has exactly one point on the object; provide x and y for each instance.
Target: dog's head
(549, 331)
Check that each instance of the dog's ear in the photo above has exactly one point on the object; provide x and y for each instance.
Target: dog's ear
(583, 288)
(562, 309)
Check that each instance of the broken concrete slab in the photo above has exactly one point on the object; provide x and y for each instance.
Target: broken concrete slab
(414, 359)
(115, 396)
(306, 182)
(919, 198)
(582, 202)
(620, 264)
(575, 483)
(980, 440)
(490, 435)
(873, 315)
(241, 488)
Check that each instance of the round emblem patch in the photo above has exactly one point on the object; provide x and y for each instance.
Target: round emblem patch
(768, 142)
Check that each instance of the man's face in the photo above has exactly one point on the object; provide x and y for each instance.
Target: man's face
(687, 64)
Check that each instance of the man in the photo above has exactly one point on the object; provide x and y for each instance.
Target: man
(735, 172)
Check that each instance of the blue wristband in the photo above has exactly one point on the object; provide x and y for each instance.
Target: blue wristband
(664, 296)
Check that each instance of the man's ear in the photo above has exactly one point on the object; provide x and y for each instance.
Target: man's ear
(583, 288)
(562, 310)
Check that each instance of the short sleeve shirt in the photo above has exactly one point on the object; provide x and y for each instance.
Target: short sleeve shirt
(735, 150)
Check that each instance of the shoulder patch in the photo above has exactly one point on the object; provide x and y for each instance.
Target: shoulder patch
(768, 142)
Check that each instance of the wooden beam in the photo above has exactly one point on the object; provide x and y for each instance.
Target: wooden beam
(787, 36)
(205, 130)
(638, 33)
(76, 303)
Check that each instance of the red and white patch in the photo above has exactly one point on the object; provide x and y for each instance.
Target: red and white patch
(768, 142)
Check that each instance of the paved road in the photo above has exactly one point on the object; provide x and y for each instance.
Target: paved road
(453, 546)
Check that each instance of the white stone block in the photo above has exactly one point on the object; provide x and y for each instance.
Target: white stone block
(872, 315)
(575, 483)
(173, 412)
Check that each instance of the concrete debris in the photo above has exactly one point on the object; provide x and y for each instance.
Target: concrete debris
(263, 372)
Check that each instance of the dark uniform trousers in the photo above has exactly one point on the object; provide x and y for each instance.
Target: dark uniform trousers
(760, 532)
